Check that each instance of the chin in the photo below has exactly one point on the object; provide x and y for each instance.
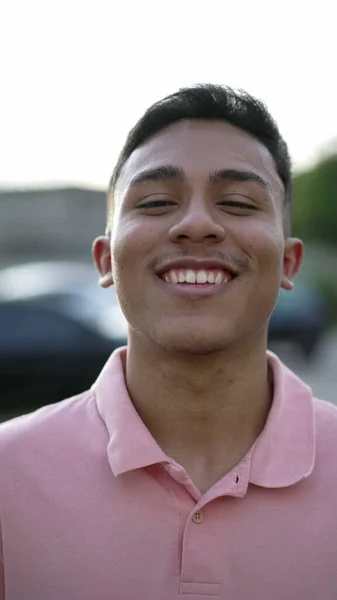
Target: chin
(195, 351)
(193, 345)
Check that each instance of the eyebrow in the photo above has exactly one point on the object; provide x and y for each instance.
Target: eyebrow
(162, 173)
(173, 173)
(238, 175)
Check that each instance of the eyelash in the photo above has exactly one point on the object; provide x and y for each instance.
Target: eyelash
(156, 204)
(163, 203)
(235, 204)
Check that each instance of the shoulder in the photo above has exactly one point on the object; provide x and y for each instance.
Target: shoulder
(325, 414)
(46, 416)
(325, 469)
(51, 430)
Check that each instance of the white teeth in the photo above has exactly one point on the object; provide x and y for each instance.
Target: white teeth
(201, 277)
(193, 276)
(190, 277)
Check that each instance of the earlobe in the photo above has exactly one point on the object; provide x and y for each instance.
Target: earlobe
(106, 280)
(102, 260)
(286, 283)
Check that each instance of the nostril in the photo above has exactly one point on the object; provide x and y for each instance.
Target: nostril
(184, 236)
(197, 230)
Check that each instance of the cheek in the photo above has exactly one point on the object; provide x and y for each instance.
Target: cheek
(130, 247)
(265, 246)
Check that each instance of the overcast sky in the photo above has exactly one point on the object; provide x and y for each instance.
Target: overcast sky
(75, 75)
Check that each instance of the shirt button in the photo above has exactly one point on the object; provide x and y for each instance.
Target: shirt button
(198, 516)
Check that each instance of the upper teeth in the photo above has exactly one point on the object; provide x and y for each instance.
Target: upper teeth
(216, 276)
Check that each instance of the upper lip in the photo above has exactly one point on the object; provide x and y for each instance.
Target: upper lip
(197, 265)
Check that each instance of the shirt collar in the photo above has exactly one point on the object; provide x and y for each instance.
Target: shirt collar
(284, 452)
(282, 455)
(131, 445)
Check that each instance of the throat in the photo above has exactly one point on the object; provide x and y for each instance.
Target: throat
(207, 418)
(208, 448)
(205, 476)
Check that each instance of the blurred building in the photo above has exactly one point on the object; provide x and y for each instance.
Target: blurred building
(55, 223)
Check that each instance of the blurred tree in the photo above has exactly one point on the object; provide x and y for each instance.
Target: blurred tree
(315, 203)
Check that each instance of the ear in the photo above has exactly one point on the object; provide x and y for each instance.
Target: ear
(102, 258)
(293, 255)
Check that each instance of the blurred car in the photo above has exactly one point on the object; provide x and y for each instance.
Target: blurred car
(69, 287)
(57, 329)
(299, 317)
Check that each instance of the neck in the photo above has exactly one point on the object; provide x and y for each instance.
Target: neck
(200, 409)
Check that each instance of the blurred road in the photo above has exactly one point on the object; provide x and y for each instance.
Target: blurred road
(320, 372)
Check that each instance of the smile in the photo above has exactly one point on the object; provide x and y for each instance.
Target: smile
(196, 276)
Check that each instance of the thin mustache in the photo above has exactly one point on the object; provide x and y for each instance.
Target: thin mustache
(237, 261)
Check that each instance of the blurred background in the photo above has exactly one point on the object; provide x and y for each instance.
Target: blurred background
(75, 76)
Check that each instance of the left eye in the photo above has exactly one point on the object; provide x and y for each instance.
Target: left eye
(235, 204)
(156, 204)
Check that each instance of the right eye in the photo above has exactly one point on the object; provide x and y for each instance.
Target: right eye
(154, 205)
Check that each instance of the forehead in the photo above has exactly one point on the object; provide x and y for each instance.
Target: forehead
(200, 147)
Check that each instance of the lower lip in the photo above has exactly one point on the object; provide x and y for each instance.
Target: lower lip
(196, 290)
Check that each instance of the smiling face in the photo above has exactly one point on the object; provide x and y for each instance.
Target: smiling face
(197, 250)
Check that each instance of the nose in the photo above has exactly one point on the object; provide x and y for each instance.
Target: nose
(197, 223)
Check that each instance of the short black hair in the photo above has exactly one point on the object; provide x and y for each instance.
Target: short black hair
(216, 103)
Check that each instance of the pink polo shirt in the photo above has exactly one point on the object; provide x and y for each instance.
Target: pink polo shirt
(92, 509)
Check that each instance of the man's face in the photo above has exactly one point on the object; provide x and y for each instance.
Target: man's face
(197, 247)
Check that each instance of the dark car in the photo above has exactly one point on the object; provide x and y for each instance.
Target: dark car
(57, 329)
(299, 317)
(46, 355)
(68, 287)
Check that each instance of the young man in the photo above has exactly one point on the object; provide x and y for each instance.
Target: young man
(197, 466)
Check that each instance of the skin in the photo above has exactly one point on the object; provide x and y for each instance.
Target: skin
(206, 355)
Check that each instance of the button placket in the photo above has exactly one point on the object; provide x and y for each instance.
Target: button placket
(197, 572)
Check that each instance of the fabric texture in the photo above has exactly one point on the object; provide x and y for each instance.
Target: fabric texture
(92, 508)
